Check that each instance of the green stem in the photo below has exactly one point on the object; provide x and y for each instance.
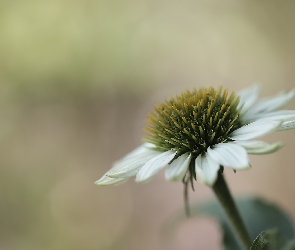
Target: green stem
(223, 194)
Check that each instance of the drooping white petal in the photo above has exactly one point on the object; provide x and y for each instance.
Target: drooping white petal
(287, 125)
(270, 104)
(260, 147)
(206, 169)
(105, 181)
(154, 165)
(177, 169)
(255, 129)
(130, 165)
(248, 97)
(229, 155)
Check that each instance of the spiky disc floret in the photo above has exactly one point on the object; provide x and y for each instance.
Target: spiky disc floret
(193, 121)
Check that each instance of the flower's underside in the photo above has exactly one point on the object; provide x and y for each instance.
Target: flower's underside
(199, 131)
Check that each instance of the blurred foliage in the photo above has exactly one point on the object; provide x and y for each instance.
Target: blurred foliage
(67, 44)
(132, 45)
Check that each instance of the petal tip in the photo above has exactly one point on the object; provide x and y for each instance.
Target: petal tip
(141, 179)
(96, 182)
(107, 181)
(101, 183)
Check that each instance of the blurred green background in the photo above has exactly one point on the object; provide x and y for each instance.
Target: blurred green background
(76, 81)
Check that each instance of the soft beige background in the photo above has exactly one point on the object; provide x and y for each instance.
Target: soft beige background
(76, 81)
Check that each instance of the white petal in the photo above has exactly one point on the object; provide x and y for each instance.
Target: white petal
(255, 129)
(130, 165)
(137, 151)
(105, 181)
(206, 169)
(154, 165)
(248, 97)
(177, 169)
(271, 103)
(229, 155)
(287, 125)
(260, 147)
(280, 115)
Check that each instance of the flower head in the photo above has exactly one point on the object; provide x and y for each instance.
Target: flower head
(200, 131)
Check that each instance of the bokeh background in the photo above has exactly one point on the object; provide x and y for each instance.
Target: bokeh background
(77, 79)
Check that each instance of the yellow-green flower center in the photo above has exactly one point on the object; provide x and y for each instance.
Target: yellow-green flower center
(193, 121)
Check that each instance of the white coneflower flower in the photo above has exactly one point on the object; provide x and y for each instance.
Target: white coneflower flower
(200, 131)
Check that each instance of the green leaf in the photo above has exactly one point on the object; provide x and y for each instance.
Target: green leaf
(272, 240)
(260, 243)
(259, 215)
(269, 240)
(289, 245)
